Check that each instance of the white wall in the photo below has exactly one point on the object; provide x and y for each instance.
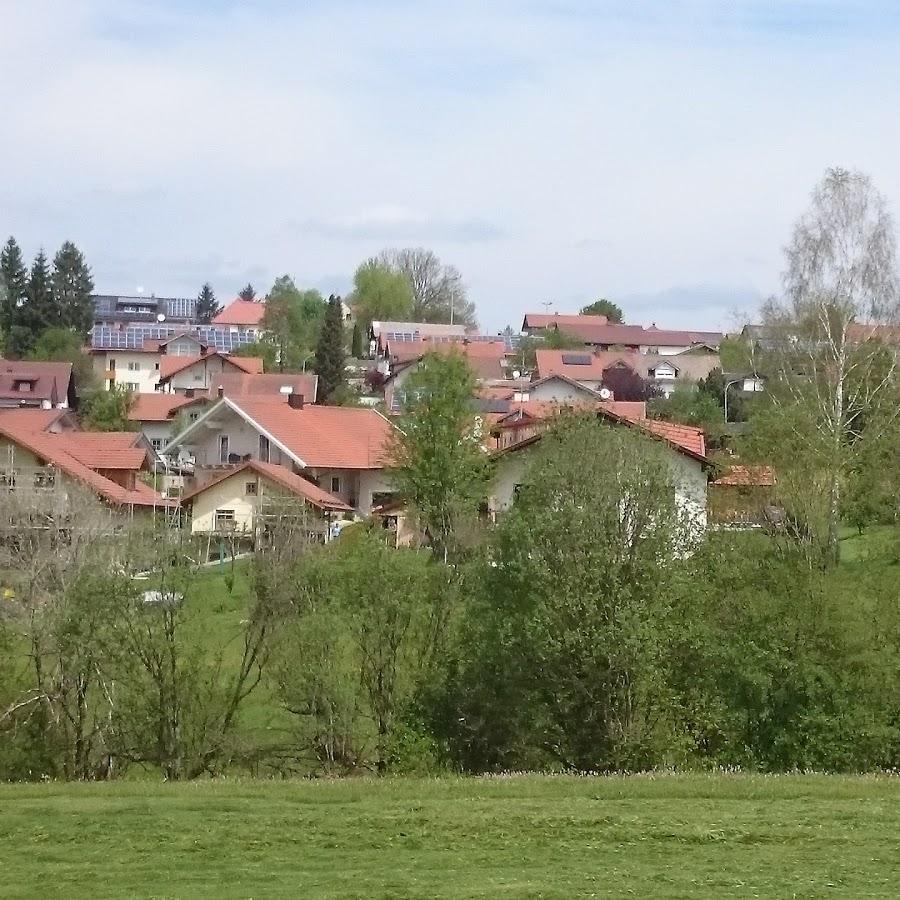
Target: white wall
(200, 375)
(145, 376)
(558, 391)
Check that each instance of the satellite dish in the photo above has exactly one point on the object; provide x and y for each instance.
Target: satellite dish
(605, 393)
(517, 374)
(161, 317)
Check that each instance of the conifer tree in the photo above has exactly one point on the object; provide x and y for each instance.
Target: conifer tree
(14, 276)
(207, 305)
(356, 342)
(330, 352)
(72, 287)
(248, 293)
(38, 311)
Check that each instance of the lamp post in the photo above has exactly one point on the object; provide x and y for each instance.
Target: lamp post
(728, 384)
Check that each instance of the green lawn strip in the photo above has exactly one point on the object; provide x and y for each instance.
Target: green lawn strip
(670, 836)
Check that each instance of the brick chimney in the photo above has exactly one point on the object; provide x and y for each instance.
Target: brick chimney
(295, 401)
(220, 391)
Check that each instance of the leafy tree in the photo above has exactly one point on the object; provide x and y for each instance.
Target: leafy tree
(72, 287)
(64, 345)
(14, 276)
(248, 292)
(551, 339)
(352, 650)
(606, 308)
(356, 342)
(207, 305)
(439, 464)
(261, 349)
(438, 292)
(292, 321)
(626, 384)
(104, 410)
(564, 653)
(687, 406)
(330, 352)
(380, 293)
(824, 348)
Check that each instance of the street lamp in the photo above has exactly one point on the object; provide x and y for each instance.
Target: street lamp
(728, 384)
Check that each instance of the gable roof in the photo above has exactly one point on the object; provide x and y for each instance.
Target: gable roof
(606, 334)
(36, 419)
(321, 437)
(484, 357)
(63, 451)
(241, 384)
(172, 365)
(50, 381)
(241, 312)
(549, 320)
(688, 441)
(284, 478)
(575, 365)
(157, 407)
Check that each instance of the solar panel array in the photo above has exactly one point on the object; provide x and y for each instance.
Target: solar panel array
(103, 337)
(577, 359)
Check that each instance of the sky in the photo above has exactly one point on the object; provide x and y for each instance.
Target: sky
(655, 153)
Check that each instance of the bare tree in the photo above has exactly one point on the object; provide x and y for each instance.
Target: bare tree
(439, 294)
(827, 341)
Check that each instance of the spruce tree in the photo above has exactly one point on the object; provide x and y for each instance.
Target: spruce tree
(356, 342)
(72, 287)
(15, 278)
(248, 293)
(38, 312)
(330, 352)
(207, 305)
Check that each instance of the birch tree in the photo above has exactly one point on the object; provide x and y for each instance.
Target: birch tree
(828, 340)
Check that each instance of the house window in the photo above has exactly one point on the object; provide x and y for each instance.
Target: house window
(156, 443)
(23, 385)
(8, 480)
(134, 367)
(198, 376)
(192, 417)
(250, 488)
(156, 367)
(264, 448)
(46, 478)
(224, 520)
(223, 448)
(132, 386)
(112, 364)
(335, 484)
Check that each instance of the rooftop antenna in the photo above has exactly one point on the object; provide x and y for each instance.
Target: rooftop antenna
(547, 304)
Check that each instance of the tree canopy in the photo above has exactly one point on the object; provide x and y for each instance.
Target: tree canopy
(207, 305)
(606, 308)
(292, 321)
(380, 293)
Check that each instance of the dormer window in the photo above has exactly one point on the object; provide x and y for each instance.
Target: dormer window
(23, 385)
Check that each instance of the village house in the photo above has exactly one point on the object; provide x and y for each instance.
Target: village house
(242, 315)
(33, 384)
(343, 449)
(254, 497)
(597, 333)
(189, 375)
(740, 496)
(43, 457)
(685, 450)
(134, 359)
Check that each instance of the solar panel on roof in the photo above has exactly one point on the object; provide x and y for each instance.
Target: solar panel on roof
(577, 359)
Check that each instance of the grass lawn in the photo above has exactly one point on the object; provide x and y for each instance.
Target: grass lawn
(532, 836)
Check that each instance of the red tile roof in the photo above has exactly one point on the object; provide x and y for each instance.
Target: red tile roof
(156, 407)
(51, 381)
(484, 357)
(548, 320)
(284, 478)
(748, 476)
(241, 312)
(33, 419)
(323, 437)
(550, 362)
(172, 365)
(629, 335)
(62, 452)
(238, 384)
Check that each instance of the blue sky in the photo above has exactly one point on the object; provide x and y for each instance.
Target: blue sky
(652, 152)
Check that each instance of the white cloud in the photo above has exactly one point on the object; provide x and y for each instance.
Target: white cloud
(615, 149)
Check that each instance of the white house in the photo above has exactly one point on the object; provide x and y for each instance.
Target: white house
(343, 449)
(685, 453)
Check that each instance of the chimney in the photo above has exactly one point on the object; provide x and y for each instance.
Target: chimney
(220, 391)
(295, 400)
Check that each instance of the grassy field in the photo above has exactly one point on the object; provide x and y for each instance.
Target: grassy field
(530, 837)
